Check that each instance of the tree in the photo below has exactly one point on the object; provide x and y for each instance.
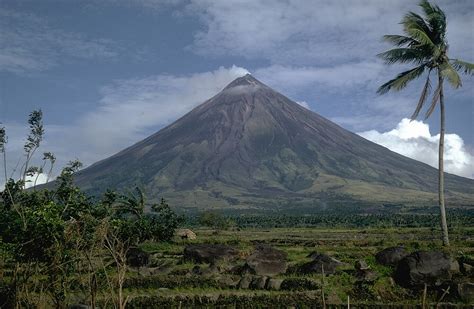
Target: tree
(59, 242)
(424, 45)
(215, 220)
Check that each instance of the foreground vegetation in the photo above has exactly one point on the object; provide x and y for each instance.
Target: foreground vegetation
(58, 243)
(165, 278)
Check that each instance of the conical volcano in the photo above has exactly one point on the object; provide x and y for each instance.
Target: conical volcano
(251, 147)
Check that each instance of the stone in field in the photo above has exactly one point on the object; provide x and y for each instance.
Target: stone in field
(267, 261)
(209, 253)
(432, 268)
(391, 256)
(320, 261)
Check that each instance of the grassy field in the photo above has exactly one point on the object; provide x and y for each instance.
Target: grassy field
(177, 286)
(168, 281)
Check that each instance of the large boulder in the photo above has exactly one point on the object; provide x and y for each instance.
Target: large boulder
(258, 282)
(231, 282)
(266, 261)
(245, 282)
(432, 268)
(320, 261)
(209, 253)
(274, 284)
(391, 256)
(136, 257)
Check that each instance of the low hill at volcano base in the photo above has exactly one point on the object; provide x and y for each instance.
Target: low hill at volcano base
(250, 147)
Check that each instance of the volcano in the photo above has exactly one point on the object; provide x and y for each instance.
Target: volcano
(250, 147)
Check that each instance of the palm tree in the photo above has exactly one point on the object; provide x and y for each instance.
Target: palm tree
(424, 45)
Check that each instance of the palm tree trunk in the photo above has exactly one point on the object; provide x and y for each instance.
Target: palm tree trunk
(444, 225)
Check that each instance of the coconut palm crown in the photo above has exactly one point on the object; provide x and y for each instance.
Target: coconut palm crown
(424, 44)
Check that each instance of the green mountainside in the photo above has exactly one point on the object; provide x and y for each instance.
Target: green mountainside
(250, 147)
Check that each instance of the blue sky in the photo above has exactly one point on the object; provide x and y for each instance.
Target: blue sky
(107, 73)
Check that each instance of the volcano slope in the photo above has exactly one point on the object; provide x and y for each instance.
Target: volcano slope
(250, 147)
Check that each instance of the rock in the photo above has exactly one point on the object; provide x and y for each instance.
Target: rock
(467, 269)
(240, 270)
(454, 267)
(274, 284)
(319, 262)
(229, 281)
(361, 265)
(245, 281)
(267, 261)
(424, 267)
(186, 234)
(366, 275)
(210, 271)
(209, 253)
(391, 256)
(136, 257)
(196, 270)
(258, 283)
(466, 291)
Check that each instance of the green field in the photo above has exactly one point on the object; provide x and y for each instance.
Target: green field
(175, 284)
(346, 245)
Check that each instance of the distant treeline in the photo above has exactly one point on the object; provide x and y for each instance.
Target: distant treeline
(457, 218)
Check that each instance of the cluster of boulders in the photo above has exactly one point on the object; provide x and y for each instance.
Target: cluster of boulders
(420, 268)
(432, 269)
(413, 270)
(260, 266)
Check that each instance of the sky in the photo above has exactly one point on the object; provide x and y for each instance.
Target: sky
(108, 73)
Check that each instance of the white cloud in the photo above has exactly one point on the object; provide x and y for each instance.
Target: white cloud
(304, 104)
(30, 44)
(414, 140)
(130, 108)
(336, 77)
(36, 179)
(301, 32)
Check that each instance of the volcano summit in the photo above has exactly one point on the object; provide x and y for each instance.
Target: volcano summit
(250, 147)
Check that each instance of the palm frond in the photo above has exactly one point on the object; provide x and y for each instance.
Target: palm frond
(404, 55)
(465, 67)
(448, 72)
(400, 40)
(401, 80)
(413, 21)
(436, 20)
(424, 95)
(434, 101)
(422, 37)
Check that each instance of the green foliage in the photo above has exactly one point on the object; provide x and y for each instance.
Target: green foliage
(215, 220)
(51, 235)
(341, 220)
(423, 44)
